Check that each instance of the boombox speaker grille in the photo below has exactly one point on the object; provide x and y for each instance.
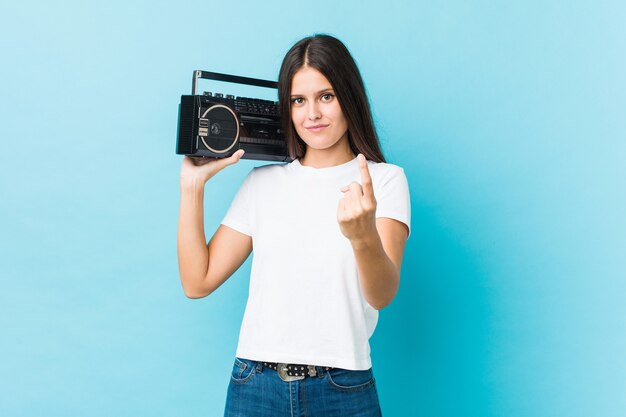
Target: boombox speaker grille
(218, 128)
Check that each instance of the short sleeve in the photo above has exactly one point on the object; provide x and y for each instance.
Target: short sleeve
(392, 197)
(238, 215)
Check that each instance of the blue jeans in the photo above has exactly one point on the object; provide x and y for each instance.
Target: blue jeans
(257, 391)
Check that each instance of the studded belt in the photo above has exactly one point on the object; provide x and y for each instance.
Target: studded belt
(293, 372)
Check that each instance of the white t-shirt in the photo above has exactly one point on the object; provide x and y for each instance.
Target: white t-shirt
(305, 305)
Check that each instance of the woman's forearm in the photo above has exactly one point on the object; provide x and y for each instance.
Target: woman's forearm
(193, 255)
(378, 275)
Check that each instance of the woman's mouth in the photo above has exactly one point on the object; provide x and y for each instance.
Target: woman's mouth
(316, 128)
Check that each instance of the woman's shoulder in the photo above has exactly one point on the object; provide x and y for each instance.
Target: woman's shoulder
(387, 176)
(269, 170)
(384, 169)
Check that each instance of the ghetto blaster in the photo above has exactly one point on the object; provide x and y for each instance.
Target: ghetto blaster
(217, 125)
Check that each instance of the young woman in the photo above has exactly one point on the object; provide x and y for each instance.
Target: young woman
(328, 231)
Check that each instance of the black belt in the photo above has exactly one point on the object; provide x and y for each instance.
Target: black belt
(293, 372)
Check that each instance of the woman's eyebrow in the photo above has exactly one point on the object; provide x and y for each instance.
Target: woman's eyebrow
(319, 92)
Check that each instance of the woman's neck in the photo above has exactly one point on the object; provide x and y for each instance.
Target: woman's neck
(324, 158)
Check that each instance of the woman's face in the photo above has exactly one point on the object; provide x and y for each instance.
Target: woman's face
(315, 110)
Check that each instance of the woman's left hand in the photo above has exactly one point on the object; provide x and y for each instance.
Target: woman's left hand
(356, 213)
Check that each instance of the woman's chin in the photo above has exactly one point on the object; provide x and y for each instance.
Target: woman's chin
(318, 144)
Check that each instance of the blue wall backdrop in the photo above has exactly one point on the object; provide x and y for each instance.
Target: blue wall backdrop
(509, 119)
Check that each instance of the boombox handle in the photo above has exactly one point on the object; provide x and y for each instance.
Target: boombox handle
(229, 79)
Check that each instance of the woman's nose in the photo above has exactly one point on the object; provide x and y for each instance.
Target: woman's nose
(314, 112)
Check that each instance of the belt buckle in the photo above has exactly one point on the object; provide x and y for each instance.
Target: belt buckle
(282, 373)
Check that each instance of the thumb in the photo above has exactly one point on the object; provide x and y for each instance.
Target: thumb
(234, 158)
(239, 154)
(222, 163)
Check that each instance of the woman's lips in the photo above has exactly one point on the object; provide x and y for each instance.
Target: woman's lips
(317, 128)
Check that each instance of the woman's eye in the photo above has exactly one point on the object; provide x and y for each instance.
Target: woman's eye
(327, 97)
(297, 100)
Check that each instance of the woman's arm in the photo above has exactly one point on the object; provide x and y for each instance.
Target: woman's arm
(378, 243)
(227, 250)
(379, 259)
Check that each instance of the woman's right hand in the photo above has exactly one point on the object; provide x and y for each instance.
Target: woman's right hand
(197, 171)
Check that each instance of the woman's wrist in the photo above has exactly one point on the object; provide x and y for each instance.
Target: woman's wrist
(365, 242)
(191, 184)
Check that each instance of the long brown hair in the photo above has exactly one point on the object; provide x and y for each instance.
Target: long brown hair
(330, 56)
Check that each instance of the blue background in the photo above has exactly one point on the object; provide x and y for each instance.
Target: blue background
(508, 118)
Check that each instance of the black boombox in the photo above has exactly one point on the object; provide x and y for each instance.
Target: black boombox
(214, 125)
